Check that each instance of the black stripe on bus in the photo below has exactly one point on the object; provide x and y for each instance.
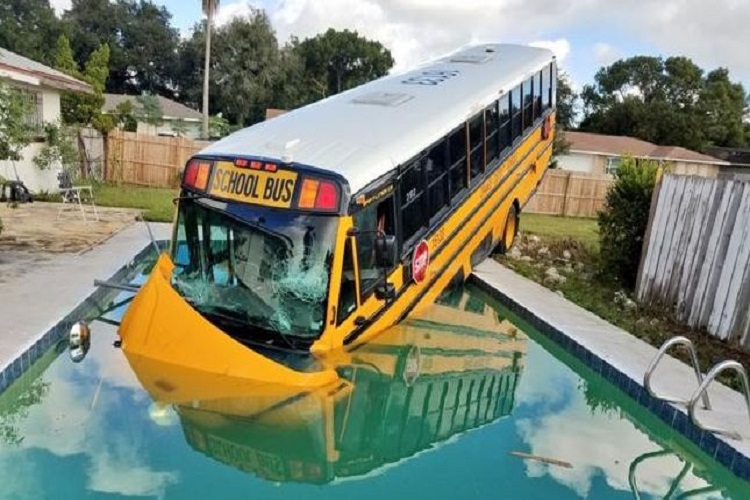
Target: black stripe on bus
(358, 332)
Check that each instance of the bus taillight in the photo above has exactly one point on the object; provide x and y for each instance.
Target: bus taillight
(197, 174)
(318, 195)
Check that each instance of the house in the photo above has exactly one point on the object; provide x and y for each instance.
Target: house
(738, 159)
(602, 154)
(41, 86)
(177, 119)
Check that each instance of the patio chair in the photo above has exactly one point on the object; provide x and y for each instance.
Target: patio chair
(75, 195)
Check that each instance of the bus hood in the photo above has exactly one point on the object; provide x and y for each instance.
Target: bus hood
(161, 325)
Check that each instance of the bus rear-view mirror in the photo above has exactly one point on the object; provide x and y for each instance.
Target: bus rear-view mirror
(385, 251)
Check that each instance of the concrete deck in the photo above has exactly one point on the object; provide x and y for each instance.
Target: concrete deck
(47, 287)
(628, 356)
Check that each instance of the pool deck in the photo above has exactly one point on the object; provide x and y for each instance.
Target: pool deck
(623, 359)
(35, 300)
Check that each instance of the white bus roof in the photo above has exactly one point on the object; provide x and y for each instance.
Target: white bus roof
(368, 131)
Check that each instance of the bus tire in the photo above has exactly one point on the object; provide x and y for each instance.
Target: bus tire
(510, 231)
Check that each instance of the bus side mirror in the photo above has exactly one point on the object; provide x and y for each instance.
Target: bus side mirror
(385, 251)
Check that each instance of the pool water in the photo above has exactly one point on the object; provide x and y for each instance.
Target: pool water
(464, 401)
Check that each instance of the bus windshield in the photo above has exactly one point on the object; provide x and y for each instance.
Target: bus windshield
(253, 268)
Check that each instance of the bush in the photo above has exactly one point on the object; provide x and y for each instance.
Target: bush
(622, 223)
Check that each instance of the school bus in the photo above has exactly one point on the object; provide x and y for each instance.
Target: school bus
(316, 230)
(434, 376)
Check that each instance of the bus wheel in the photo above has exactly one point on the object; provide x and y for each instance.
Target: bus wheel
(508, 236)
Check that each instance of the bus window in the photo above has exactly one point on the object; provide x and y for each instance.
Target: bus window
(538, 93)
(437, 180)
(348, 292)
(553, 94)
(375, 219)
(515, 102)
(412, 196)
(546, 88)
(503, 107)
(476, 140)
(457, 146)
(528, 103)
(491, 124)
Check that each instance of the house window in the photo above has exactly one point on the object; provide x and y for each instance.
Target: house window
(32, 102)
(613, 164)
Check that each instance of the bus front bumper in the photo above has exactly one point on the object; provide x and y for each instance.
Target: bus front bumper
(161, 325)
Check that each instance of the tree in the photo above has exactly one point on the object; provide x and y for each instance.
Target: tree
(665, 101)
(566, 111)
(149, 110)
(79, 107)
(209, 8)
(29, 28)
(142, 42)
(14, 129)
(623, 222)
(339, 60)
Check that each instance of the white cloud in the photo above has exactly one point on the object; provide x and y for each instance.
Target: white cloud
(560, 47)
(605, 54)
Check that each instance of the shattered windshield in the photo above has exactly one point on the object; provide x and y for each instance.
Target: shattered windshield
(254, 267)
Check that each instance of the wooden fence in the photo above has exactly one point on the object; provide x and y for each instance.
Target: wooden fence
(696, 257)
(573, 194)
(148, 160)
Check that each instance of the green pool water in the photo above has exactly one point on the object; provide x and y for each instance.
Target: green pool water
(442, 414)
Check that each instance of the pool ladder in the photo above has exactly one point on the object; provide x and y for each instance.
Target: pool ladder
(703, 383)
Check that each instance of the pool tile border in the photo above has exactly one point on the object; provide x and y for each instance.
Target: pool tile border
(733, 460)
(16, 368)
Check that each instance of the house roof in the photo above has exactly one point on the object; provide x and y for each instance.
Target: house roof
(23, 69)
(172, 110)
(615, 145)
(737, 157)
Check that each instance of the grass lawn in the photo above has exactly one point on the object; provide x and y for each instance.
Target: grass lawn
(156, 202)
(571, 246)
(555, 227)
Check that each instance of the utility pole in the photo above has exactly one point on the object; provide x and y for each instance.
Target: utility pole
(209, 7)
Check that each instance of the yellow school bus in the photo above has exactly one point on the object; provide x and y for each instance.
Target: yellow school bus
(420, 383)
(316, 230)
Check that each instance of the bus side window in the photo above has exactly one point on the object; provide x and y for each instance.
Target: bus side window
(553, 82)
(528, 103)
(546, 88)
(412, 196)
(515, 102)
(504, 118)
(348, 291)
(437, 180)
(476, 140)
(538, 93)
(373, 219)
(457, 146)
(491, 124)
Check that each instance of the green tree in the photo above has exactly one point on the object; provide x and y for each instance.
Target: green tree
(29, 28)
(339, 60)
(623, 222)
(666, 101)
(140, 36)
(80, 107)
(566, 113)
(149, 110)
(15, 132)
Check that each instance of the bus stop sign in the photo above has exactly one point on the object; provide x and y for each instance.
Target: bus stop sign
(419, 262)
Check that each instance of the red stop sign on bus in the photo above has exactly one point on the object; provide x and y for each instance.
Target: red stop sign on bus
(420, 261)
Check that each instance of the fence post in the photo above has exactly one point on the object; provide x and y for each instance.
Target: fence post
(565, 195)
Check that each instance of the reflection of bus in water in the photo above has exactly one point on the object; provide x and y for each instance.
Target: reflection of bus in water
(449, 370)
(317, 230)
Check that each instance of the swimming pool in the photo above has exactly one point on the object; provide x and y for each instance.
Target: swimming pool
(464, 401)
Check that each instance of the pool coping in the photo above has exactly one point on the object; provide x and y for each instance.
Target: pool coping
(621, 358)
(39, 344)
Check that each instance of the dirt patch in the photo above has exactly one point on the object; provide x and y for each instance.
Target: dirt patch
(36, 227)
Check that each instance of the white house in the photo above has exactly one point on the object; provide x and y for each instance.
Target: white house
(177, 119)
(41, 86)
(602, 154)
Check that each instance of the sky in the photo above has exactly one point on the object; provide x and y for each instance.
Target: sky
(585, 34)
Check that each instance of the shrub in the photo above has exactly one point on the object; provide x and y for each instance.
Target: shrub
(622, 223)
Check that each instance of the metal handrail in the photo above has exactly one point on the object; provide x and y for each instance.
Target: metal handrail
(685, 342)
(701, 391)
